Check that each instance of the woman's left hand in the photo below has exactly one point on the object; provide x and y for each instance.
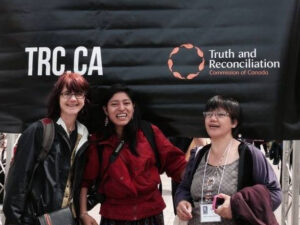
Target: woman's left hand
(224, 210)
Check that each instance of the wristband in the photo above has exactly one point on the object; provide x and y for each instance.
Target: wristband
(83, 214)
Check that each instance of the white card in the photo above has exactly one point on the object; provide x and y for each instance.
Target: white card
(207, 214)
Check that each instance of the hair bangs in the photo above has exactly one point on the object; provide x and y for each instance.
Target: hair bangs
(75, 84)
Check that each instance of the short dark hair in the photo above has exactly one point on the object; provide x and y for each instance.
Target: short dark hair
(230, 105)
(131, 129)
(74, 82)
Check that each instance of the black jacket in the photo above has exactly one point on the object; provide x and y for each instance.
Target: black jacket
(50, 178)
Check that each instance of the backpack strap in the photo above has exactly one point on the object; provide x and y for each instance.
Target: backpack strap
(112, 158)
(48, 138)
(244, 169)
(93, 196)
(245, 177)
(149, 134)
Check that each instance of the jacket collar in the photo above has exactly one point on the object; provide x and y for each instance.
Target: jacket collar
(81, 131)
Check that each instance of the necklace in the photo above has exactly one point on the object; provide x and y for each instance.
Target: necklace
(211, 180)
(70, 130)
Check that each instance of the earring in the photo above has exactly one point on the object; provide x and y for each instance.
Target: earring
(106, 121)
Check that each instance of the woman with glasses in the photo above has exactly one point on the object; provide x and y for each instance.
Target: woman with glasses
(54, 179)
(225, 170)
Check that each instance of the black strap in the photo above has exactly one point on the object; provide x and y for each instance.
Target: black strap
(112, 158)
(114, 155)
(199, 155)
(148, 132)
(245, 167)
(48, 137)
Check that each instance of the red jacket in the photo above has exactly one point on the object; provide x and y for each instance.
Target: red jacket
(252, 205)
(131, 182)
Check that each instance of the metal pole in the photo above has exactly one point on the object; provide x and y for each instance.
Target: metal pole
(296, 182)
(285, 206)
(11, 140)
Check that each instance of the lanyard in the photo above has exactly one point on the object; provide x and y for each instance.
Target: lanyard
(204, 173)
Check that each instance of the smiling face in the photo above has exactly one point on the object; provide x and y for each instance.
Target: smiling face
(218, 123)
(70, 103)
(119, 110)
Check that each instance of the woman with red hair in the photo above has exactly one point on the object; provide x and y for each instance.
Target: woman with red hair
(55, 179)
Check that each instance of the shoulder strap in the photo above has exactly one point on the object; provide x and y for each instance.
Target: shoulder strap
(148, 132)
(48, 137)
(245, 177)
(112, 158)
(198, 156)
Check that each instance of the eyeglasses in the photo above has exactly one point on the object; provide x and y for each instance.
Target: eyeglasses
(68, 95)
(219, 115)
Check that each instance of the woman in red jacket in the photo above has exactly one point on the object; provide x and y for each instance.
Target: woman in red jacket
(130, 182)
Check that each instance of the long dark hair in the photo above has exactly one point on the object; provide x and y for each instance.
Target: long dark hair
(74, 82)
(131, 129)
(230, 105)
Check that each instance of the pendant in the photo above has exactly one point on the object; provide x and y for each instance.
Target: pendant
(210, 183)
(208, 196)
(208, 189)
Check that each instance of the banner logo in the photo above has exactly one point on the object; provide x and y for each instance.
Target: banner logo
(45, 61)
(191, 48)
(227, 62)
(239, 63)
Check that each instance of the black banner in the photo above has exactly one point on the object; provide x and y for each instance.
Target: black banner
(173, 54)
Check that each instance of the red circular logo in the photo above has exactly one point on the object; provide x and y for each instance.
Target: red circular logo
(190, 75)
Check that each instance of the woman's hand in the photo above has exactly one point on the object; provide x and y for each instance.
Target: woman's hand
(224, 210)
(86, 219)
(184, 210)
